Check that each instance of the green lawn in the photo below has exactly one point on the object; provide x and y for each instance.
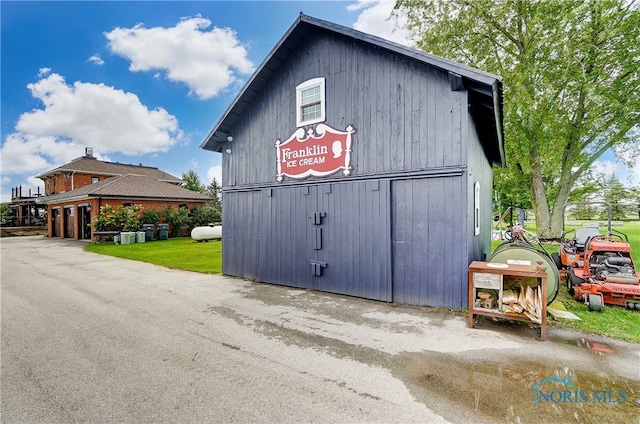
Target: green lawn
(179, 253)
(613, 321)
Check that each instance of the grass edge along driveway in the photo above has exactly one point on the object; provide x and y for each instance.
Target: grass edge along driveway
(177, 253)
(206, 257)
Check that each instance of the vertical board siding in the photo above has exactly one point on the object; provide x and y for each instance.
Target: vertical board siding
(241, 235)
(278, 244)
(407, 240)
(286, 247)
(404, 112)
(356, 239)
(479, 170)
(428, 216)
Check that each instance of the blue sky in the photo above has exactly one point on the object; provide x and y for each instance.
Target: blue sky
(139, 82)
(143, 82)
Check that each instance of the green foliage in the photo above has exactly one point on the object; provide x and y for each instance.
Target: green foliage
(634, 202)
(588, 188)
(615, 194)
(570, 71)
(117, 218)
(214, 190)
(584, 211)
(5, 210)
(150, 217)
(192, 181)
(178, 218)
(204, 215)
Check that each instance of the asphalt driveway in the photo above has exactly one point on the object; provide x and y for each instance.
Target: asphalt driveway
(91, 338)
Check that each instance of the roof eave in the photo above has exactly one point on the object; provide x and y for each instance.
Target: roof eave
(485, 83)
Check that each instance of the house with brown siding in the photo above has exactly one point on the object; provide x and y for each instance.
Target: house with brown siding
(75, 192)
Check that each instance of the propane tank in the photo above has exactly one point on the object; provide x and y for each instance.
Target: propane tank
(519, 250)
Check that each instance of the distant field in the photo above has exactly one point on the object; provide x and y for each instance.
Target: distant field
(630, 228)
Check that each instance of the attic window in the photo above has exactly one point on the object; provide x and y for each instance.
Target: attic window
(310, 102)
(95, 180)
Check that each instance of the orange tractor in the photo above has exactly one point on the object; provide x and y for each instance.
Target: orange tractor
(598, 267)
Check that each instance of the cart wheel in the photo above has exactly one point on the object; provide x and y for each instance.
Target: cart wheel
(595, 303)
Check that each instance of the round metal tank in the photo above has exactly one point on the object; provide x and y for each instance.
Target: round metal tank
(522, 254)
(210, 232)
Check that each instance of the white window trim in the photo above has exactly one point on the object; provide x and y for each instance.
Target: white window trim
(304, 86)
(476, 208)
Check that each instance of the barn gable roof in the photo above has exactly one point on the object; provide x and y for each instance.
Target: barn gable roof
(485, 90)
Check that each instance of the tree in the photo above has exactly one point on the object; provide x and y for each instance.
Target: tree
(204, 215)
(5, 210)
(177, 218)
(634, 200)
(615, 195)
(214, 190)
(192, 181)
(571, 73)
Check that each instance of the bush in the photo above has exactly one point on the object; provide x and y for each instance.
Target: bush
(150, 217)
(118, 218)
(177, 219)
(204, 215)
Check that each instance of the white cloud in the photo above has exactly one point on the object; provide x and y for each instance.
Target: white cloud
(28, 153)
(206, 61)
(96, 59)
(376, 19)
(604, 168)
(84, 115)
(28, 187)
(214, 172)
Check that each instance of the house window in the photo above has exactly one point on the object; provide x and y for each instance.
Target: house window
(95, 180)
(310, 102)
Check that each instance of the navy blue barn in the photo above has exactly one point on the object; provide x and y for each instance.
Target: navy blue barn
(358, 166)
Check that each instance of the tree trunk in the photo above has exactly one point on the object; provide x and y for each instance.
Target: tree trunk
(548, 220)
(539, 198)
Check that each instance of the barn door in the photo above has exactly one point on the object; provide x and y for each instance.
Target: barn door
(287, 242)
(329, 237)
(351, 235)
(429, 245)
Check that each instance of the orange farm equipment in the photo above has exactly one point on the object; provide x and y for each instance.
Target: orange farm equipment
(598, 267)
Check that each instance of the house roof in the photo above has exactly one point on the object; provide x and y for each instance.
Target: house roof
(485, 90)
(91, 165)
(128, 186)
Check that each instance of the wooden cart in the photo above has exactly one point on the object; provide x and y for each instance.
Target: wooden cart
(487, 282)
